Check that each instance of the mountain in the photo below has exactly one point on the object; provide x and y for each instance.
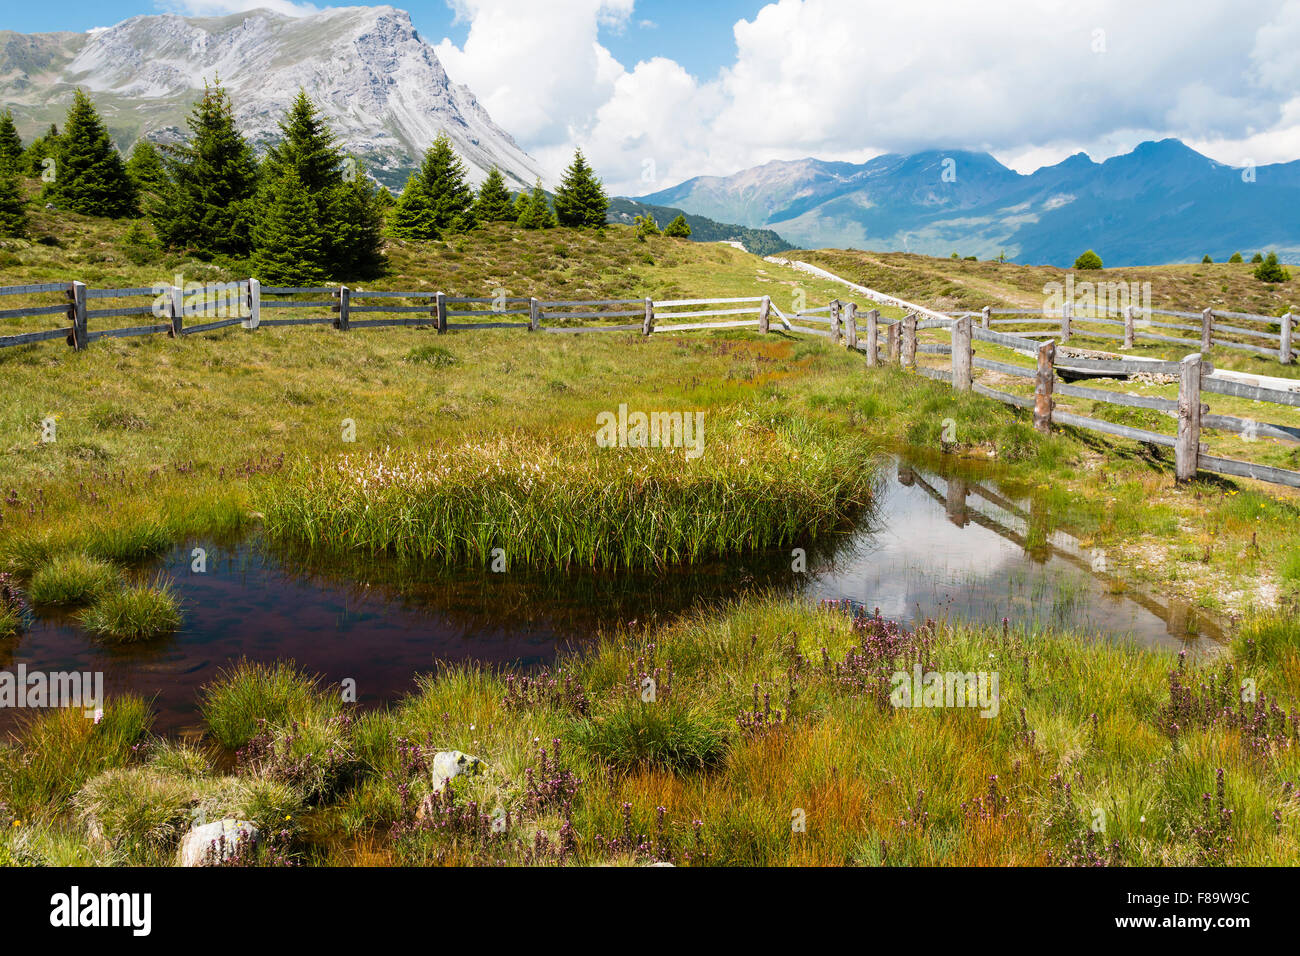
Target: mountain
(380, 86)
(761, 242)
(1163, 202)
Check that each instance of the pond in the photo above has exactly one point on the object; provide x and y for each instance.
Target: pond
(939, 543)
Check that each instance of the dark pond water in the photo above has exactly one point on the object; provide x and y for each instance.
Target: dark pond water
(934, 546)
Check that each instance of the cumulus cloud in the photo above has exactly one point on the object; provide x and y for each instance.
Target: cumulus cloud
(1030, 80)
(218, 8)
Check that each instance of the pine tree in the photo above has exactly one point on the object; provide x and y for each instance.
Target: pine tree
(1257, 258)
(13, 211)
(308, 146)
(1235, 258)
(412, 216)
(356, 218)
(90, 177)
(646, 226)
(521, 204)
(679, 228)
(11, 144)
(212, 182)
(581, 201)
(42, 147)
(437, 200)
(492, 204)
(289, 247)
(1206, 260)
(537, 212)
(1270, 270)
(145, 167)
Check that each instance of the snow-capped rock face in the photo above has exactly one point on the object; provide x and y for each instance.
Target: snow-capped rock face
(380, 86)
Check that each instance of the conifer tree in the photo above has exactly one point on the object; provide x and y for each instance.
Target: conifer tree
(289, 247)
(437, 200)
(13, 211)
(356, 218)
(11, 144)
(145, 167)
(581, 201)
(42, 147)
(212, 182)
(1270, 270)
(492, 204)
(412, 215)
(537, 212)
(308, 146)
(90, 177)
(679, 228)
(521, 204)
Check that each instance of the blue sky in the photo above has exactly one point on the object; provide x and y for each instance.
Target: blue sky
(657, 91)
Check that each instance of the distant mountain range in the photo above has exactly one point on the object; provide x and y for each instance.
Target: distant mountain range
(1163, 202)
(378, 83)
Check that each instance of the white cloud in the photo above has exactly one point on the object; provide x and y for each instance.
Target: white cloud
(1030, 80)
(219, 8)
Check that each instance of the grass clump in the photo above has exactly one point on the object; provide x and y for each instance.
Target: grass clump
(669, 736)
(760, 482)
(246, 698)
(73, 579)
(136, 613)
(13, 606)
(59, 750)
(433, 355)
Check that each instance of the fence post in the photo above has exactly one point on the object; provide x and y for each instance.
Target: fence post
(851, 326)
(1187, 451)
(1044, 384)
(1128, 326)
(1067, 310)
(440, 307)
(891, 338)
(254, 304)
(835, 321)
(1285, 350)
(765, 314)
(176, 309)
(909, 340)
(984, 316)
(873, 336)
(648, 325)
(534, 315)
(1207, 329)
(78, 315)
(961, 354)
(345, 307)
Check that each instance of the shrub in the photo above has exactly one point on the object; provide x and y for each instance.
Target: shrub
(1206, 260)
(139, 244)
(679, 228)
(1235, 258)
(1270, 270)
(241, 698)
(1256, 258)
(73, 579)
(1089, 260)
(136, 613)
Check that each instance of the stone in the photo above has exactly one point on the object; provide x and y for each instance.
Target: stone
(450, 764)
(195, 844)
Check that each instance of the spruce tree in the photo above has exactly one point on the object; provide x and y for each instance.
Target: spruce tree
(1270, 270)
(11, 144)
(145, 167)
(537, 212)
(679, 228)
(90, 177)
(356, 224)
(289, 247)
(212, 182)
(521, 204)
(42, 147)
(412, 216)
(581, 201)
(493, 201)
(308, 146)
(13, 211)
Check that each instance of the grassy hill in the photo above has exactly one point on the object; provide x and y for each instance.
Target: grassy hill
(761, 242)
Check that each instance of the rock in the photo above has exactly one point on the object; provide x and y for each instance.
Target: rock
(450, 764)
(195, 845)
(662, 863)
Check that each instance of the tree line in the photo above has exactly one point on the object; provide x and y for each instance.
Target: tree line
(302, 213)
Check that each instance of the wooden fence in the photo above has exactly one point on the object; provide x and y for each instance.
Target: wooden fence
(174, 312)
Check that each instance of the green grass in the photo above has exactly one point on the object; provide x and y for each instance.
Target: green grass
(73, 579)
(135, 613)
(762, 481)
(250, 693)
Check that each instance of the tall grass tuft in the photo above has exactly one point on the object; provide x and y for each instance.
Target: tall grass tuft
(73, 579)
(761, 482)
(137, 613)
(235, 705)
